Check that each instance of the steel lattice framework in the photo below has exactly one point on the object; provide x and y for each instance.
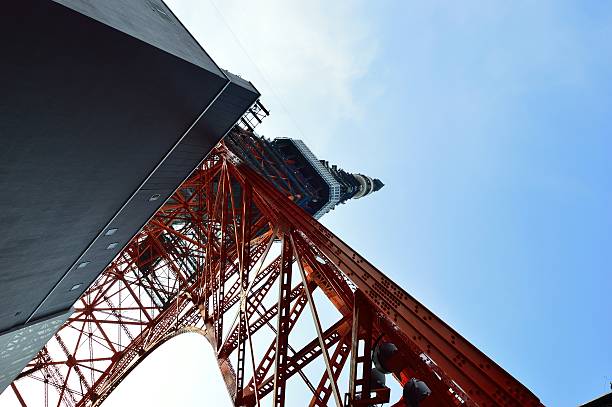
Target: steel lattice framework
(233, 258)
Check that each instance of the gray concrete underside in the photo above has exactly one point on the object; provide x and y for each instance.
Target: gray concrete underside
(98, 113)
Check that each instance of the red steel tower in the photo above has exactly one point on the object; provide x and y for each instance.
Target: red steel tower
(233, 257)
(108, 107)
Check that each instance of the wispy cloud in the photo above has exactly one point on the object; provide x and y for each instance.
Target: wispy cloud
(307, 54)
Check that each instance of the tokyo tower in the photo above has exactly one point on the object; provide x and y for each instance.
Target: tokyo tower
(141, 204)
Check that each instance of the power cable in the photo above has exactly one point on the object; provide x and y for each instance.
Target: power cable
(260, 71)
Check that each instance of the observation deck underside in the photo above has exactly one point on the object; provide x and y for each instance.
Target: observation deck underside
(105, 108)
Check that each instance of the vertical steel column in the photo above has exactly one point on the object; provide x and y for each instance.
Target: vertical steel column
(222, 255)
(283, 326)
(361, 352)
(244, 259)
(317, 323)
(208, 277)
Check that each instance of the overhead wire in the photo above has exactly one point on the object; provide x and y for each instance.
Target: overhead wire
(259, 70)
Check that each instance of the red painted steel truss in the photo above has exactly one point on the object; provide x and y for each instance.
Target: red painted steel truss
(232, 258)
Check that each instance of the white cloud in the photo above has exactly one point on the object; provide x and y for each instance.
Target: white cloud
(307, 54)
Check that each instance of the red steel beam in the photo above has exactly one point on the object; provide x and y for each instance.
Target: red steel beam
(205, 254)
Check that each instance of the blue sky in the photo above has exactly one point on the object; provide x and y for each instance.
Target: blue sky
(491, 130)
(489, 123)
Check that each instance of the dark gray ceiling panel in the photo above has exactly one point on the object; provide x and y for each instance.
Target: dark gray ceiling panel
(98, 112)
(19, 346)
(148, 20)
